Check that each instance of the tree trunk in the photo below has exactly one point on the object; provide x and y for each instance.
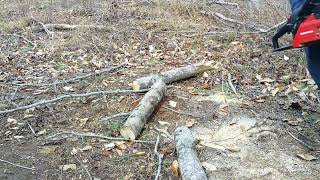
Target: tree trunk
(189, 164)
(139, 116)
(173, 75)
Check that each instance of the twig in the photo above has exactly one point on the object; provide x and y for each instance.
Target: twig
(84, 167)
(92, 135)
(230, 84)
(275, 26)
(223, 3)
(15, 35)
(33, 132)
(116, 116)
(69, 96)
(300, 141)
(159, 157)
(178, 112)
(17, 165)
(164, 132)
(106, 70)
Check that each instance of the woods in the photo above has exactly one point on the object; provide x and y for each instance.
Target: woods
(147, 89)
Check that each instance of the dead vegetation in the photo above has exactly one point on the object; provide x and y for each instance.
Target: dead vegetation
(68, 66)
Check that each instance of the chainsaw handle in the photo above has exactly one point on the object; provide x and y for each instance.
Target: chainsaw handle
(275, 39)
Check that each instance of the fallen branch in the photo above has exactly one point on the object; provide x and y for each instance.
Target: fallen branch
(92, 135)
(139, 116)
(68, 27)
(230, 84)
(173, 75)
(69, 96)
(15, 35)
(300, 141)
(223, 3)
(218, 15)
(189, 163)
(120, 116)
(77, 78)
(159, 158)
(17, 165)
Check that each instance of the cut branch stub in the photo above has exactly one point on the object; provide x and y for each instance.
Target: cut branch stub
(189, 164)
(173, 75)
(139, 116)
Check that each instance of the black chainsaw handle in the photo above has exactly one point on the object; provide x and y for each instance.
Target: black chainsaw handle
(275, 39)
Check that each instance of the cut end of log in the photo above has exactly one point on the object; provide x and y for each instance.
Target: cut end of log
(127, 133)
(135, 86)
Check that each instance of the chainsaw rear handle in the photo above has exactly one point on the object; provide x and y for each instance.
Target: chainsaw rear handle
(275, 39)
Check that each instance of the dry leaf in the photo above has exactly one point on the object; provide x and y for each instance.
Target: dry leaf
(205, 75)
(42, 132)
(163, 123)
(140, 153)
(307, 157)
(12, 121)
(68, 88)
(86, 148)
(109, 146)
(119, 152)
(69, 167)
(209, 167)
(121, 145)
(83, 121)
(175, 168)
(190, 123)
(173, 104)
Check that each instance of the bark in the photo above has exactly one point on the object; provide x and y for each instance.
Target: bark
(189, 164)
(173, 75)
(139, 116)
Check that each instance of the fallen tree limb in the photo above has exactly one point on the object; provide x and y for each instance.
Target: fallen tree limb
(17, 165)
(67, 27)
(223, 3)
(69, 96)
(19, 36)
(77, 78)
(189, 164)
(93, 135)
(120, 116)
(173, 75)
(139, 116)
(156, 153)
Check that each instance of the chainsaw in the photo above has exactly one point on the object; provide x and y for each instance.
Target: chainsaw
(303, 24)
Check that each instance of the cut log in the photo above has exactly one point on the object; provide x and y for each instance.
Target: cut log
(173, 75)
(189, 164)
(139, 116)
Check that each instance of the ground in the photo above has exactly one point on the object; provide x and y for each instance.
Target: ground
(255, 117)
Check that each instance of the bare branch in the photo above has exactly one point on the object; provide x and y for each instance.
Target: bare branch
(17, 165)
(69, 96)
(159, 157)
(92, 135)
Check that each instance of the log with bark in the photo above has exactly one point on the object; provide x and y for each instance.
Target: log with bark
(68, 27)
(139, 116)
(173, 75)
(189, 164)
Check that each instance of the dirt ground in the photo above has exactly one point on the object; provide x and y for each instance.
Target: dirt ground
(256, 117)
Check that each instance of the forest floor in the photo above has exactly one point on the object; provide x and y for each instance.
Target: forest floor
(256, 117)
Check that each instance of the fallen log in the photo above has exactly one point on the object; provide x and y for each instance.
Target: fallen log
(189, 164)
(139, 116)
(173, 75)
